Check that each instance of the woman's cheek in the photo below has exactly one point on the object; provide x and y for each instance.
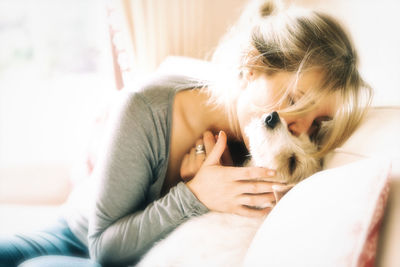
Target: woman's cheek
(243, 115)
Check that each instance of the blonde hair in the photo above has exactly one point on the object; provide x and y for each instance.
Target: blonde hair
(272, 39)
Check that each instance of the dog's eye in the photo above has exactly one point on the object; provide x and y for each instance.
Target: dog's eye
(292, 164)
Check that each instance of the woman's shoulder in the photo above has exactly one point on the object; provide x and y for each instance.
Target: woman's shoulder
(151, 101)
(157, 92)
(160, 85)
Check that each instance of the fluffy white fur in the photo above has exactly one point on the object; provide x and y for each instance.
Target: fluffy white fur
(220, 239)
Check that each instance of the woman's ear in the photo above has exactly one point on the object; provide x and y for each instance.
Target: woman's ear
(246, 76)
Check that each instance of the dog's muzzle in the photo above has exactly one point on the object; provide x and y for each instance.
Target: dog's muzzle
(271, 120)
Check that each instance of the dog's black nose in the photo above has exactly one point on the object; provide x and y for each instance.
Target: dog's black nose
(272, 120)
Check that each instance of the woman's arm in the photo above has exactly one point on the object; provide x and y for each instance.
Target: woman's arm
(123, 225)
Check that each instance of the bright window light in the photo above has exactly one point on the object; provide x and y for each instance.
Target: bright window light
(55, 72)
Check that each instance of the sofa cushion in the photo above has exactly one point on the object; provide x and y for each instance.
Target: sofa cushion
(329, 219)
(378, 136)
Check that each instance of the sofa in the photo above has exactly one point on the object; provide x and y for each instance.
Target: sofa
(375, 141)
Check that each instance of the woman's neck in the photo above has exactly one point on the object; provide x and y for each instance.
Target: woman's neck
(202, 116)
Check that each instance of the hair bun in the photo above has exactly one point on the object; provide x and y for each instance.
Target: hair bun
(266, 7)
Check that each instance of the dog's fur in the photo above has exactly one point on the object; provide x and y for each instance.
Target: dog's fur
(220, 239)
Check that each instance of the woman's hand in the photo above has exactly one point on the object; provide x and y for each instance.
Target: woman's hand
(280, 190)
(193, 160)
(240, 190)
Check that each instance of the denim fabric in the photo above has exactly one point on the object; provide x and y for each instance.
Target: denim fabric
(59, 261)
(54, 240)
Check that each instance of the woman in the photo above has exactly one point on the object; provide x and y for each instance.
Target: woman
(296, 62)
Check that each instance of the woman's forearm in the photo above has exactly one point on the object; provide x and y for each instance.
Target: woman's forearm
(128, 238)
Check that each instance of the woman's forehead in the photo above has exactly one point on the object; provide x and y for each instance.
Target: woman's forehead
(307, 84)
(301, 83)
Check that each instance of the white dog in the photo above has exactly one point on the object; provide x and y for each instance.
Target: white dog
(220, 239)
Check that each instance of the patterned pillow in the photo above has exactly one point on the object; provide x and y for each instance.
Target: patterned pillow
(329, 219)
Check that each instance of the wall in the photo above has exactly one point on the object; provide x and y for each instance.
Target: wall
(373, 25)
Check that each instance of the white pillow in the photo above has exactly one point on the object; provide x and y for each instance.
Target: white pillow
(329, 219)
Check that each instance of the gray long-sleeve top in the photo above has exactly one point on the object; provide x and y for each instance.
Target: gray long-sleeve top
(127, 215)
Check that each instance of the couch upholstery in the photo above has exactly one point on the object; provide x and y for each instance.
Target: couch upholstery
(378, 137)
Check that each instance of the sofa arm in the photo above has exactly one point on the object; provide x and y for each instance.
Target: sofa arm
(34, 184)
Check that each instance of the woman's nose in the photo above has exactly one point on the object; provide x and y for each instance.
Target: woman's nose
(298, 126)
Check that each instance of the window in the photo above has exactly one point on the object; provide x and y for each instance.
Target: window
(55, 69)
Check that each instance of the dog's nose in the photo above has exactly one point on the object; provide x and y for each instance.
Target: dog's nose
(272, 120)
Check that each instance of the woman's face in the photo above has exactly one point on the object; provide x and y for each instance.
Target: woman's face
(263, 90)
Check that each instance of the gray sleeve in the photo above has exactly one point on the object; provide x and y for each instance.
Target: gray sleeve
(121, 227)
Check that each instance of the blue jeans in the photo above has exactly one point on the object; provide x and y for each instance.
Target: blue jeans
(54, 240)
